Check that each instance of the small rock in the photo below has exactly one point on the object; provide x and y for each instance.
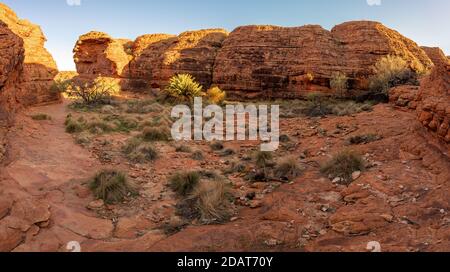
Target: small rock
(356, 175)
(337, 180)
(272, 242)
(442, 211)
(233, 219)
(96, 205)
(255, 204)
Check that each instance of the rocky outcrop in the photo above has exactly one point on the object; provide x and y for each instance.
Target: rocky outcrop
(436, 55)
(404, 96)
(252, 60)
(434, 102)
(280, 61)
(96, 53)
(151, 60)
(27, 68)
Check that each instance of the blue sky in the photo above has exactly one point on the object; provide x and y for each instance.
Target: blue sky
(425, 21)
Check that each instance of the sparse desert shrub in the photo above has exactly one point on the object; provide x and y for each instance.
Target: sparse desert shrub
(391, 71)
(263, 159)
(216, 96)
(73, 126)
(343, 165)
(343, 108)
(99, 127)
(41, 117)
(287, 169)
(236, 167)
(284, 138)
(131, 145)
(183, 149)
(212, 202)
(111, 186)
(99, 91)
(316, 105)
(363, 139)
(216, 146)
(122, 123)
(227, 152)
(183, 183)
(183, 87)
(155, 134)
(143, 106)
(143, 153)
(198, 155)
(339, 83)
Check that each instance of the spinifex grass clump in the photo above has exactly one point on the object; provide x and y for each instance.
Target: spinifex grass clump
(155, 134)
(183, 183)
(212, 201)
(41, 117)
(112, 186)
(343, 165)
(287, 169)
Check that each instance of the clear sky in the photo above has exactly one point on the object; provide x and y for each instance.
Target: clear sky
(425, 21)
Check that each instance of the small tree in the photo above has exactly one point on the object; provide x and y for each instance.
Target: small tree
(98, 91)
(391, 71)
(339, 83)
(184, 87)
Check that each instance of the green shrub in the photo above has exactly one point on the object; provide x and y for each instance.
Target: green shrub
(287, 169)
(41, 117)
(183, 149)
(263, 158)
(183, 183)
(183, 87)
(99, 91)
(198, 155)
(112, 186)
(73, 126)
(339, 83)
(391, 71)
(155, 134)
(363, 139)
(343, 165)
(216, 146)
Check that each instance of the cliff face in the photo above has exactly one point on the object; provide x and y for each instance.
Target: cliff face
(27, 68)
(96, 54)
(434, 101)
(282, 61)
(150, 59)
(257, 60)
(436, 55)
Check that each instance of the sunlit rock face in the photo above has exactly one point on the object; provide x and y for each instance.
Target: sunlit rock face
(27, 68)
(151, 60)
(281, 61)
(434, 101)
(96, 54)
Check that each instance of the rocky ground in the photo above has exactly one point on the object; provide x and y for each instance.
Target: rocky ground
(400, 200)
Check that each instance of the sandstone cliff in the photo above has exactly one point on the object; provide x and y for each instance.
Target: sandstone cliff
(436, 55)
(434, 101)
(96, 53)
(282, 61)
(27, 68)
(150, 59)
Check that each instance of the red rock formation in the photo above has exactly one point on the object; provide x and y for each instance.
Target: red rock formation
(434, 101)
(27, 69)
(436, 55)
(159, 57)
(151, 59)
(277, 60)
(96, 53)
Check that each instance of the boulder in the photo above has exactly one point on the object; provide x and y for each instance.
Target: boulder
(27, 68)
